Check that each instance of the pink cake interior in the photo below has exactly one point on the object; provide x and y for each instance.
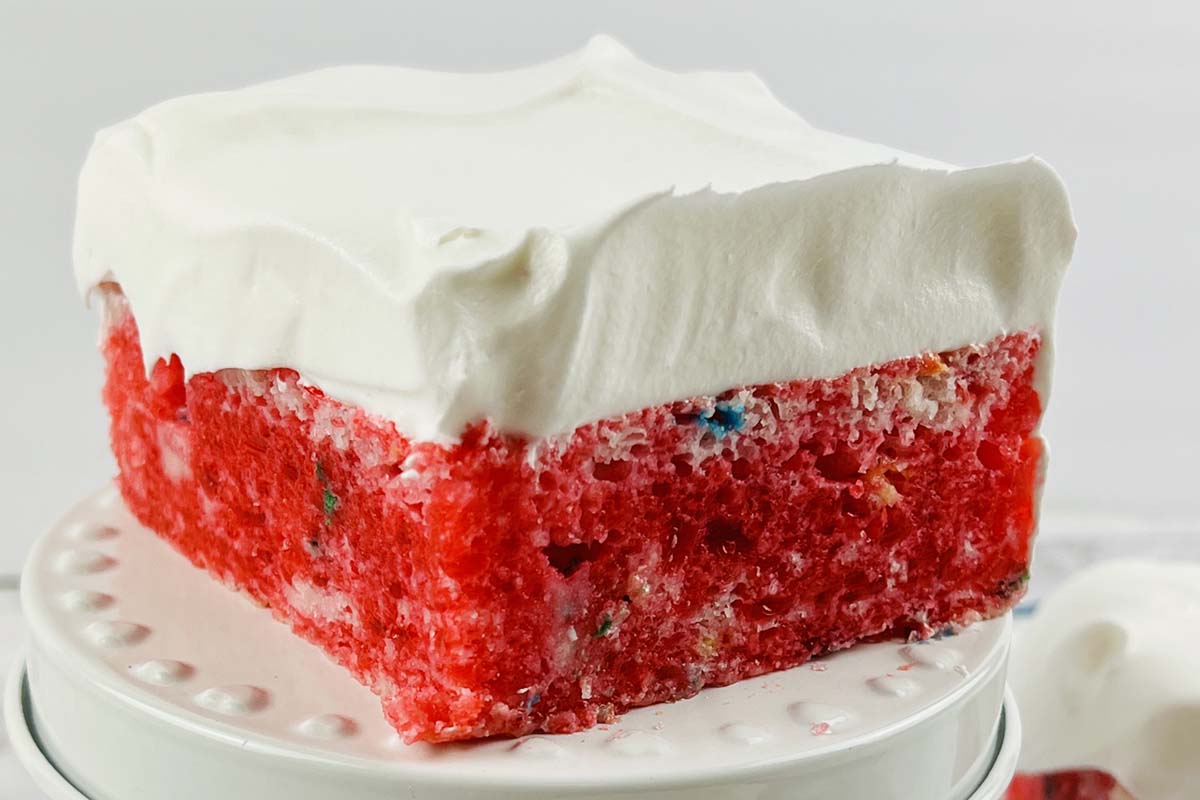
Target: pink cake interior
(501, 586)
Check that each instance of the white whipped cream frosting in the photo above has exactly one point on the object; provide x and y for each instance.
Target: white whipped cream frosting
(552, 245)
(1107, 676)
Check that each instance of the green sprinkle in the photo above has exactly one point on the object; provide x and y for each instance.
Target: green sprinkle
(605, 626)
(1025, 576)
(330, 501)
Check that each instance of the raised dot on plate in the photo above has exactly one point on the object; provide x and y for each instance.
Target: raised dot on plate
(162, 672)
(932, 656)
(233, 701)
(893, 686)
(116, 633)
(743, 734)
(638, 743)
(538, 747)
(328, 727)
(91, 532)
(819, 714)
(84, 562)
(85, 600)
(108, 498)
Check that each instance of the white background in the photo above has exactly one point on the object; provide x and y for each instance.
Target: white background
(1108, 92)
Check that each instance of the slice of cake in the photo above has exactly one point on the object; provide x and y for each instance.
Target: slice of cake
(536, 396)
(1107, 675)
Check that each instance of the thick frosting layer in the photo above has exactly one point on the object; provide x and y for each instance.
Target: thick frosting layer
(552, 245)
(1107, 676)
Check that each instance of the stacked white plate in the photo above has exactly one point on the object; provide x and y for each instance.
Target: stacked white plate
(147, 679)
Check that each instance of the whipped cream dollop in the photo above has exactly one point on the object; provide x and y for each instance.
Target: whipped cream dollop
(551, 245)
(1107, 676)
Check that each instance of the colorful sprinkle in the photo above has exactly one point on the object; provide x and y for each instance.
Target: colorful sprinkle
(724, 419)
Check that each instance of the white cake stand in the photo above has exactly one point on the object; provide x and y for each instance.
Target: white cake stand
(147, 679)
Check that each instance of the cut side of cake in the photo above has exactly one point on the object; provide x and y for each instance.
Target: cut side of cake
(538, 396)
(502, 586)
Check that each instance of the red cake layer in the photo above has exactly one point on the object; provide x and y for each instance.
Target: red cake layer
(502, 586)
(1077, 785)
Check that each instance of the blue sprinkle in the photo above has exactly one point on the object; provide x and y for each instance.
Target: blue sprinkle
(944, 633)
(724, 419)
(532, 700)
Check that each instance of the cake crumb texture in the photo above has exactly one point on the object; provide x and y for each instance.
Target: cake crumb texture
(501, 585)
